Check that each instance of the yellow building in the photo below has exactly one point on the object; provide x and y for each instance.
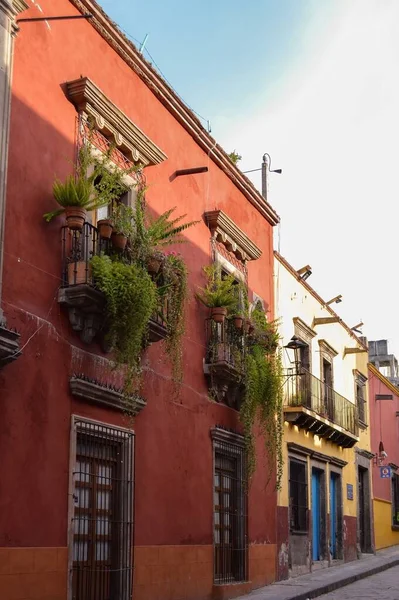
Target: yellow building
(324, 509)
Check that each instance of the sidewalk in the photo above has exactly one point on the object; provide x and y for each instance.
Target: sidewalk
(323, 581)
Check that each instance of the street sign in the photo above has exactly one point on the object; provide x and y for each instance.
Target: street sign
(349, 491)
(385, 472)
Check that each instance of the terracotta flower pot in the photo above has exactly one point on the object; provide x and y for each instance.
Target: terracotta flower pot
(119, 240)
(218, 313)
(153, 265)
(105, 228)
(248, 327)
(238, 322)
(75, 217)
(79, 272)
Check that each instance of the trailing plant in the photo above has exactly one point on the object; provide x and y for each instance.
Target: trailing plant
(175, 281)
(131, 298)
(219, 291)
(94, 183)
(263, 396)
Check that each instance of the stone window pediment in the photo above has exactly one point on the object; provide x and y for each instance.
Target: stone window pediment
(93, 104)
(303, 331)
(225, 231)
(327, 350)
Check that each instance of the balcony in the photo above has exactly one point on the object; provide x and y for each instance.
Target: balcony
(312, 405)
(223, 364)
(78, 293)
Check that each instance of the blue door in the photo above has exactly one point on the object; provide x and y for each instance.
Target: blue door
(333, 515)
(316, 514)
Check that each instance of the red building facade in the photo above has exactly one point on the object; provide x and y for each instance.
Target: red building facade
(64, 440)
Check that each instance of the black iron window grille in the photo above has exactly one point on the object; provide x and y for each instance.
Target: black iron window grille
(395, 499)
(103, 513)
(298, 496)
(230, 508)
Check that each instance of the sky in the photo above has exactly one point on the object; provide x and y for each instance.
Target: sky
(315, 84)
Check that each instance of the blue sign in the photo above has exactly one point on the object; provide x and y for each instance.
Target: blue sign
(349, 491)
(385, 472)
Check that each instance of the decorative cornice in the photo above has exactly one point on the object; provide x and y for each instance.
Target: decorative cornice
(360, 378)
(168, 97)
(226, 436)
(365, 453)
(293, 447)
(228, 233)
(109, 119)
(303, 330)
(93, 391)
(327, 349)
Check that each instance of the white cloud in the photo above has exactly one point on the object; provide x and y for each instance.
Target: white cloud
(333, 126)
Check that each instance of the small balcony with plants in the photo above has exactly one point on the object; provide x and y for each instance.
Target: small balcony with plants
(120, 285)
(316, 407)
(242, 363)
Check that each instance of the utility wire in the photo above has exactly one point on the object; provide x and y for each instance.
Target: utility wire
(165, 78)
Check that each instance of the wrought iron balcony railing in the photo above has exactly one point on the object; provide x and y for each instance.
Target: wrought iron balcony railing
(224, 361)
(79, 291)
(307, 391)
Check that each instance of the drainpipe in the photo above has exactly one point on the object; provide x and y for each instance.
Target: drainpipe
(9, 9)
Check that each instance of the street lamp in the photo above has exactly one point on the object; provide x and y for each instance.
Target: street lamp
(296, 344)
(265, 168)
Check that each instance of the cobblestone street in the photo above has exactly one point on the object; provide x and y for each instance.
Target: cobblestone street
(384, 586)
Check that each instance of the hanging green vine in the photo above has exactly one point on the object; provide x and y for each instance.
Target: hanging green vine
(263, 396)
(131, 298)
(175, 279)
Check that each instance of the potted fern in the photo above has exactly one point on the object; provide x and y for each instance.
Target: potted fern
(93, 184)
(152, 234)
(218, 294)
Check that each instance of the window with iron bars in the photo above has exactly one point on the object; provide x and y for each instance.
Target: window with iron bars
(102, 525)
(298, 496)
(395, 500)
(230, 508)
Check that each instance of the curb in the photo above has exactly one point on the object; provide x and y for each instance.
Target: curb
(330, 587)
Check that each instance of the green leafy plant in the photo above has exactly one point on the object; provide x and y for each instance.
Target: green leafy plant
(154, 233)
(175, 280)
(94, 183)
(263, 396)
(219, 291)
(235, 157)
(122, 219)
(131, 298)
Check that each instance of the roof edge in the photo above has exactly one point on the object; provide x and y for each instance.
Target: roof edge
(317, 297)
(169, 98)
(382, 378)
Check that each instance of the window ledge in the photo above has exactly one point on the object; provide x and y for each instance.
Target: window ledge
(99, 393)
(363, 425)
(395, 527)
(297, 532)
